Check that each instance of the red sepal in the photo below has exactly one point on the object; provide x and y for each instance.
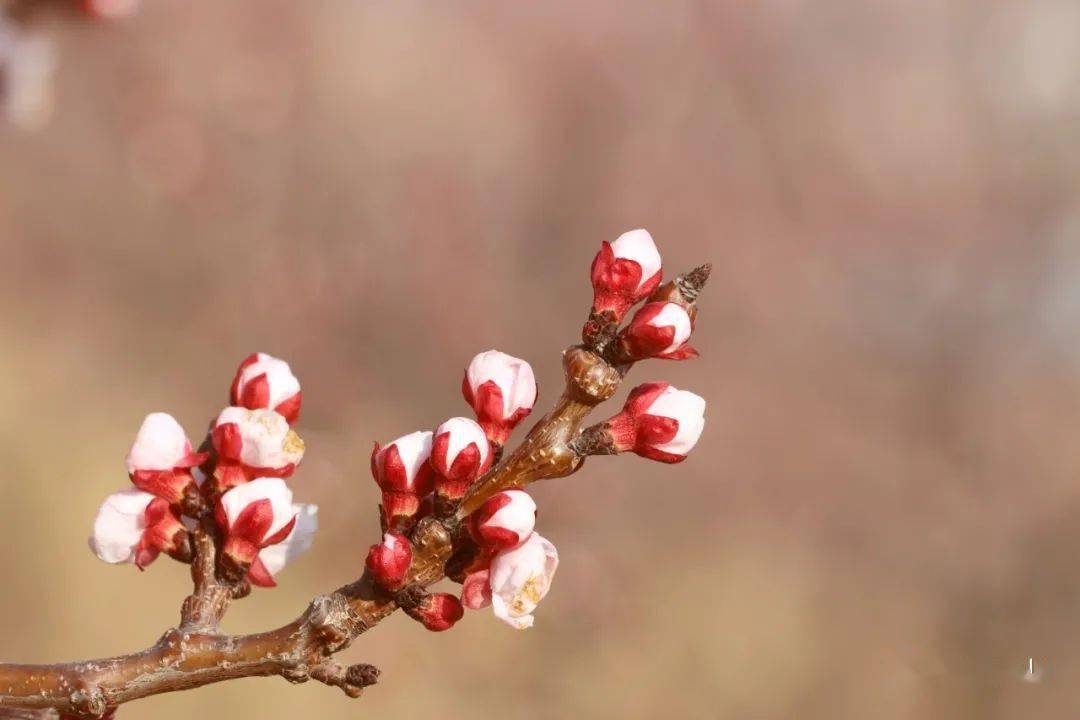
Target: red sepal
(495, 538)
(439, 611)
(234, 391)
(289, 408)
(227, 441)
(615, 282)
(476, 590)
(389, 566)
(259, 575)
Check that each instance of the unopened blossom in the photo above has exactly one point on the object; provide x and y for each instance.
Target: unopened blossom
(658, 330)
(403, 472)
(271, 560)
(161, 459)
(624, 272)
(389, 561)
(254, 516)
(504, 520)
(476, 589)
(520, 578)
(658, 422)
(460, 453)
(263, 381)
(501, 390)
(253, 443)
(439, 611)
(133, 526)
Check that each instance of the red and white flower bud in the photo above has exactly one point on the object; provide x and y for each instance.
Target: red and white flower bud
(658, 330)
(520, 578)
(460, 453)
(439, 611)
(659, 422)
(254, 516)
(253, 443)
(504, 520)
(389, 561)
(133, 526)
(160, 461)
(501, 390)
(624, 272)
(271, 560)
(263, 381)
(476, 590)
(403, 472)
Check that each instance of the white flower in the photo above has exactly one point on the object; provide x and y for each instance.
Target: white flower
(520, 578)
(266, 440)
(119, 525)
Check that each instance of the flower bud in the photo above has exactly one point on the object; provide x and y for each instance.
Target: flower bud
(476, 590)
(624, 272)
(271, 560)
(254, 516)
(504, 520)
(253, 443)
(658, 330)
(501, 390)
(520, 578)
(460, 453)
(160, 461)
(133, 526)
(403, 471)
(439, 611)
(389, 561)
(658, 422)
(263, 381)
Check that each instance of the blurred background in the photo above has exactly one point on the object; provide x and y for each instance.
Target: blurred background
(883, 516)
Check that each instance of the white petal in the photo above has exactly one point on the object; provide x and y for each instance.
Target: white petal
(520, 578)
(159, 445)
(276, 557)
(119, 525)
(638, 245)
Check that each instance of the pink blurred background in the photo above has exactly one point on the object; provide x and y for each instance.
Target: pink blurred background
(882, 518)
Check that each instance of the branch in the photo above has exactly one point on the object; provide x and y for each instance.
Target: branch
(196, 654)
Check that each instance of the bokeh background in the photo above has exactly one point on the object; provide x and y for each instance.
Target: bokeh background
(883, 516)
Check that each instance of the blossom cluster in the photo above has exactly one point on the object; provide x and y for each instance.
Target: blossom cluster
(512, 566)
(235, 483)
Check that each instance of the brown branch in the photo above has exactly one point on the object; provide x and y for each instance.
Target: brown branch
(195, 654)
